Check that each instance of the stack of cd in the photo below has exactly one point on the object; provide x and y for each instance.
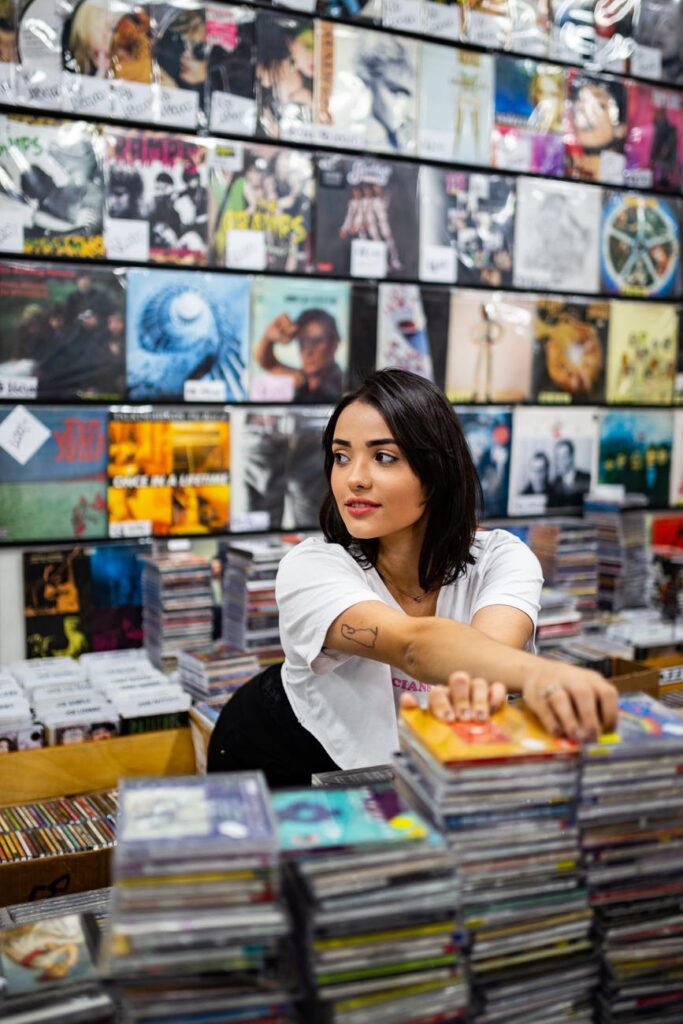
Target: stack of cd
(567, 550)
(196, 924)
(505, 794)
(374, 890)
(558, 617)
(213, 673)
(250, 616)
(622, 552)
(631, 818)
(176, 605)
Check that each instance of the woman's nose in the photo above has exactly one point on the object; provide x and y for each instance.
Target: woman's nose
(360, 474)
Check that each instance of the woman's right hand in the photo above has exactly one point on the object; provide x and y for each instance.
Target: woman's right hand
(571, 701)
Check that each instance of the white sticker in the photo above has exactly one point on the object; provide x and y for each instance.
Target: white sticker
(84, 95)
(39, 89)
(272, 388)
(441, 20)
(232, 114)
(245, 521)
(343, 138)
(307, 6)
(612, 167)
(529, 504)
(22, 434)
(18, 387)
(11, 234)
(512, 150)
(246, 250)
(178, 107)
(368, 258)
(640, 177)
(646, 61)
(6, 82)
(437, 263)
(126, 239)
(178, 544)
(485, 30)
(205, 391)
(434, 144)
(298, 131)
(402, 14)
(133, 101)
(131, 528)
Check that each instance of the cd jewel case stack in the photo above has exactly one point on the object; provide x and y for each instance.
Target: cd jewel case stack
(176, 605)
(374, 893)
(213, 673)
(504, 792)
(631, 820)
(622, 552)
(197, 926)
(567, 550)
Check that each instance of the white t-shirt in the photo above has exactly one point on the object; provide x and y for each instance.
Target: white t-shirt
(347, 701)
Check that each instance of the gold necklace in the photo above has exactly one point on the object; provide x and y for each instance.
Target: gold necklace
(416, 598)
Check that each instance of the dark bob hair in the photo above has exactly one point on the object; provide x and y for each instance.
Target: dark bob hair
(428, 433)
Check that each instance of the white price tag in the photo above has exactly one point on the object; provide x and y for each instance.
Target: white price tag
(343, 138)
(205, 391)
(368, 258)
(22, 434)
(245, 521)
(529, 504)
(133, 101)
(232, 114)
(126, 239)
(437, 263)
(442, 20)
(178, 544)
(271, 388)
(18, 388)
(307, 6)
(298, 131)
(39, 89)
(11, 234)
(131, 528)
(512, 150)
(402, 14)
(639, 177)
(246, 250)
(178, 107)
(485, 30)
(612, 166)
(6, 82)
(435, 145)
(646, 61)
(84, 95)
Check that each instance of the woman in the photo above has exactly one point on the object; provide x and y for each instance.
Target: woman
(402, 593)
(284, 72)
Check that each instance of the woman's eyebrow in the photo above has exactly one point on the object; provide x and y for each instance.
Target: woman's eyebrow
(368, 444)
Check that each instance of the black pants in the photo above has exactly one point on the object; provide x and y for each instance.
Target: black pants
(258, 729)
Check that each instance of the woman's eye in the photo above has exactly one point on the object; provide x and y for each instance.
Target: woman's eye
(385, 458)
(340, 457)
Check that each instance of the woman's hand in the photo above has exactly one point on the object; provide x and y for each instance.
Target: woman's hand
(465, 698)
(570, 701)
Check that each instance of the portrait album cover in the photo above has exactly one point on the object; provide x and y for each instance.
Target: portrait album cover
(654, 144)
(657, 35)
(596, 128)
(230, 104)
(488, 430)
(180, 61)
(635, 450)
(285, 75)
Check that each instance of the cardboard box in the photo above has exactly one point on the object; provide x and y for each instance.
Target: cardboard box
(634, 677)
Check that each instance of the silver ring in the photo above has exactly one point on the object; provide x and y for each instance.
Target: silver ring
(549, 691)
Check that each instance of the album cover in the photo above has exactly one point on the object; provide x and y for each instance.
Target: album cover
(57, 601)
(300, 340)
(285, 75)
(51, 187)
(39, 31)
(351, 10)
(116, 629)
(640, 246)
(613, 36)
(654, 144)
(134, 92)
(658, 41)
(277, 468)
(188, 335)
(484, 228)
(442, 194)
(489, 434)
(407, 336)
(489, 347)
(261, 207)
(643, 353)
(53, 473)
(456, 105)
(530, 104)
(52, 951)
(570, 351)
(552, 460)
(676, 484)
(156, 197)
(85, 50)
(366, 88)
(557, 241)
(230, 78)
(596, 128)
(635, 450)
(180, 61)
(9, 55)
(362, 343)
(168, 471)
(116, 581)
(367, 218)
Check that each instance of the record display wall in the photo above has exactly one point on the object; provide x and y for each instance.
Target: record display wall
(217, 217)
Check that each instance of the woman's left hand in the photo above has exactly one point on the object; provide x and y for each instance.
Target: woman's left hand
(465, 698)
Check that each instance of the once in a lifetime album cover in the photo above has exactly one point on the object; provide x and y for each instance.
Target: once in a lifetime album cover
(635, 450)
(640, 249)
(570, 350)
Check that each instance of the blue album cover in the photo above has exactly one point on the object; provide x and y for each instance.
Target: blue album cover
(186, 326)
(488, 432)
(640, 245)
(643, 721)
(635, 450)
(116, 575)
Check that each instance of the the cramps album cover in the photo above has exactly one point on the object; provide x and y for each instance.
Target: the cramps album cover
(456, 105)
(658, 37)
(489, 347)
(640, 245)
(366, 200)
(230, 78)
(300, 340)
(279, 483)
(168, 471)
(285, 69)
(484, 228)
(654, 144)
(557, 236)
(62, 331)
(366, 88)
(57, 602)
(51, 187)
(552, 459)
(260, 207)
(635, 450)
(489, 435)
(643, 344)
(156, 197)
(403, 338)
(188, 335)
(570, 351)
(596, 128)
(116, 583)
(53, 473)
(529, 116)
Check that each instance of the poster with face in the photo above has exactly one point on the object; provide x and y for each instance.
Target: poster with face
(596, 128)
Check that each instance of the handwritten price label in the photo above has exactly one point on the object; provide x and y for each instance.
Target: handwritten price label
(437, 263)
(246, 521)
(87, 95)
(646, 61)
(205, 391)
(368, 258)
(442, 21)
(306, 6)
(134, 100)
(246, 250)
(131, 528)
(402, 14)
(178, 107)
(22, 434)
(11, 236)
(434, 144)
(127, 239)
(232, 114)
(18, 388)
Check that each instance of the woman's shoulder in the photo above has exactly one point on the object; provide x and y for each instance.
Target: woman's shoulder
(498, 543)
(317, 552)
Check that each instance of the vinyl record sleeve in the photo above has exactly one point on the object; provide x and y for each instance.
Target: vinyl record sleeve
(643, 352)
(488, 431)
(231, 75)
(485, 225)
(635, 450)
(640, 245)
(504, 25)
(456, 105)
(530, 105)
(572, 31)
(658, 41)
(442, 197)
(570, 351)
(402, 331)
(654, 144)
(285, 75)
(86, 51)
(596, 128)
(56, 582)
(180, 61)
(135, 93)
(39, 30)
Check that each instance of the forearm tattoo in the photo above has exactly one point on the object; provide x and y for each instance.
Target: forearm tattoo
(365, 637)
